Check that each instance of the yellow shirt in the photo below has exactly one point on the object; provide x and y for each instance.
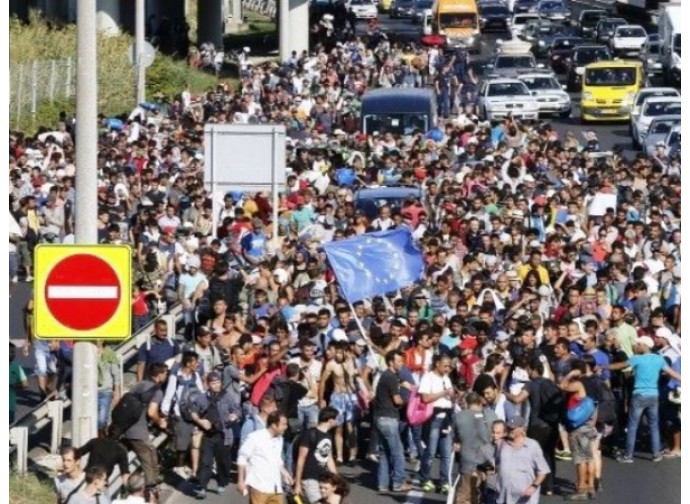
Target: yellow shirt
(541, 271)
(250, 207)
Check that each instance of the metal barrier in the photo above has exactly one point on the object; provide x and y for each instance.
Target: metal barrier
(50, 412)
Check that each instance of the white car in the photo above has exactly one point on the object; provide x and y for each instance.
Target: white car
(628, 39)
(645, 93)
(550, 95)
(519, 21)
(653, 107)
(364, 9)
(500, 98)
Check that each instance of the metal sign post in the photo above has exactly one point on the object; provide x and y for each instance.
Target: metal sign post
(85, 369)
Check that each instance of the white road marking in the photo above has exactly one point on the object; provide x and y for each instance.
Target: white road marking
(81, 292)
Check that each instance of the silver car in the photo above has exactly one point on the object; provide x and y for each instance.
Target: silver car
(402, 9)
(658, 130)
(651, 55)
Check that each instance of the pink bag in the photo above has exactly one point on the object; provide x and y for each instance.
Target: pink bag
(417, 411)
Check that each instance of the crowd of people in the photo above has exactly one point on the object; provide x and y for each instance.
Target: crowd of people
(542, 330)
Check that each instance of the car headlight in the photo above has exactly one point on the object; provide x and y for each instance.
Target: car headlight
(541, 43)
(587, 96)
(629, 99)
(566, 13)
(580, 71)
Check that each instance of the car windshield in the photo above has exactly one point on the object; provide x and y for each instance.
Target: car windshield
(662, 108)
(514, 62)
(643, 95)
(674, 138)
(653, 48)
(623, 76)
(361, 3)
(494, 10)
(631, 32)
(464, 20)
(540, 83)
(521, 20)
(555, 30)
(507, 89)
(424, 4)
(566, 43)
(611, 25)
(398, 124)
(551, 5)
(590, 18)
(587, 56)
(662, 127)
(676, 44)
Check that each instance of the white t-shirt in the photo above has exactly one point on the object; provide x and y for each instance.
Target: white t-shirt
(314, 370)
(432, 383)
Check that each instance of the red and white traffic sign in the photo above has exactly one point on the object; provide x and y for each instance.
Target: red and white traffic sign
(82, 292)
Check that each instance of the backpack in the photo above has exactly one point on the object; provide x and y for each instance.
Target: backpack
(129, 410)
(579, 415)
(278, 389)
(189, 396)
(606, 404)
(418, 412)
(552, 402)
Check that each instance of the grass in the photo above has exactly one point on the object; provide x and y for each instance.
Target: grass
(38, 40)
(30, 489)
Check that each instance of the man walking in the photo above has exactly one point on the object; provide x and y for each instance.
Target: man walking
(315, 455)
(387, 402)
(260, 469)
(647, 367)
(522, 467)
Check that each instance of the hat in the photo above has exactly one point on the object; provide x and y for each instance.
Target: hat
(512, 275)
(468, 344)
(528, 178)
(339, 335)
(516, 422)
(360, 342)
(214, 376)
(193, 262)
(518, 214)
(534, 244)
(544, 290)
(168, 230)
(502, 336)
(664, 332)
(646, 341)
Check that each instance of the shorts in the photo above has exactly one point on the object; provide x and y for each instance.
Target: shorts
(582, 442)
(184, 431)
(46, 361)
(345, 404)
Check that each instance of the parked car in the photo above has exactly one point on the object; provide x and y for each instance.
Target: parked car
(493, 16)
(659, 128)
(628, 40)
(402, 9)
(651, 55)
(512, 65)
(547, 34)
(520, 21)
(588, 19)
(364, 9)
(554, 10)
(560, 51)
(648, 92)
(550, 95)
(501, 98)
(525, 6)
(653, 107)
(581, 57)
(606, 28)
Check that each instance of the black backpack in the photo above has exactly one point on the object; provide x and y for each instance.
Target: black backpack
(129, 410)
(552, 402)
(606, 404)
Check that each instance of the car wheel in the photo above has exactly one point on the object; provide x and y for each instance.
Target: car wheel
(564, 115)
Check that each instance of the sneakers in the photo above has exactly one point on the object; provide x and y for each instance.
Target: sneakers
(29, 278)
(219, 489)
(625, 459)
(372, 457)
(181, 472)
(417, 466)
(658, 457)
(429, 487)
(445, 489)
(564, 455)
(405, 487)
(200, 493)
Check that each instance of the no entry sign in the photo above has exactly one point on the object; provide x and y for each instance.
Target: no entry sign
(83, 292)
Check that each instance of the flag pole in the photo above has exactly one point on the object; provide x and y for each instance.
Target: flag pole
(361, 328)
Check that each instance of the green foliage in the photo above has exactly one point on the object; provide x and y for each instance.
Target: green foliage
(29, 489)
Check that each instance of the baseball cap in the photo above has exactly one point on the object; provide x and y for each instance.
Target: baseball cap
(664, 332)
(515, 422)
(646, 340)
(339, 335)
(193, 262)
(502, 336)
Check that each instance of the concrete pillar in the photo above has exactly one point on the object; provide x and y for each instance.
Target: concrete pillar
(108, 17)
(299, 26)
(235, 9)
(210, 22)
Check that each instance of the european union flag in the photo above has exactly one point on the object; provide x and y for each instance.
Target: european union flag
(375, 263)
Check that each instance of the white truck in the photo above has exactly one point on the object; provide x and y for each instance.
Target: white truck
(669, 36)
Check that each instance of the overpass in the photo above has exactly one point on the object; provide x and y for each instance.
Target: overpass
(214, 17)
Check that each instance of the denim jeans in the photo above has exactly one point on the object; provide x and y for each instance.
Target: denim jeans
(412, 434)
(105, 399)
(393, 456)
(308, 416)
(437, 441)
(638, 406)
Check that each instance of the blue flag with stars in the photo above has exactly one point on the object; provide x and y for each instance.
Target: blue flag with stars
(375, 263)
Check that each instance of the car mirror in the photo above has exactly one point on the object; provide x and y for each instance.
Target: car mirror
(534, 93)
(564, 87)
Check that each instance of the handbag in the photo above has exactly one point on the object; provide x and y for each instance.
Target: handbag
(418, 412)
(581, 414)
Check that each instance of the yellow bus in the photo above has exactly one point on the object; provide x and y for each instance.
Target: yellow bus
(608, 89)
(458, 21)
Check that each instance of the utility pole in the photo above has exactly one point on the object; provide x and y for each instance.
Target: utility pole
(284, 29)
(140, 37)
(85, 366)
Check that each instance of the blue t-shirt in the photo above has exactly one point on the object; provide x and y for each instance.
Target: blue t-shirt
(449, 343)
(674, 384)
(647, 370)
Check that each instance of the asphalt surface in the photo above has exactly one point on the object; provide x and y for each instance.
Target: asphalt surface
(643, 481)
